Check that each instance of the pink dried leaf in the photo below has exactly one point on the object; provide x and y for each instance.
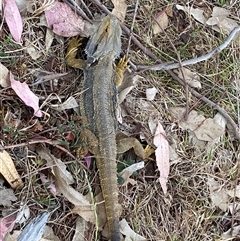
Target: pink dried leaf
(45, 180)
(26, 95)
(13, 19)
(64, 20)
(88, 160)
(6, 226)
(162, 156)
(52, 189)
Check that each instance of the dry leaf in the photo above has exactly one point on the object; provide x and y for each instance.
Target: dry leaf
(64, 20)
(161, 22)
(4, 79)
(151, 93)
(8, 170)
(162, 156)
(218, 15)
(119, 10)
(129, 233)
(193, 79)
(152, 124)
(128, 171)
(234, 208)
(26, 95)
(219, 21)
(13, 236)
(52, 161)
(198, 14)
(127, 86)
(22, 6)
(204, 129)
(209, 130)
(218, 194)
(7, 196)
(80, 229)
(68, 104)
(193, 119)
(13, 19)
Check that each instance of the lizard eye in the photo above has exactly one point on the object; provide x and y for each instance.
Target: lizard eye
(108, 28)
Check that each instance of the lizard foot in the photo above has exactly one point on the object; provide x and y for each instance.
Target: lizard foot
(124, 144)
(148, 151)
(120, 69)
(73, 45)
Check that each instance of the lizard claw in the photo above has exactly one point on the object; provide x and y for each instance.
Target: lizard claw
(120, 69)
(73, 45)
(148, 151)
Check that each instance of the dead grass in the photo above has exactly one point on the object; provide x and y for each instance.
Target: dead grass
(186, 212)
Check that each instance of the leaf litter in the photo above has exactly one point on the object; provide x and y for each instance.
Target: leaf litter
(190, 193)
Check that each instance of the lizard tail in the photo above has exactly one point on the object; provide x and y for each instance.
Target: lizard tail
(108, 180)
(115, 232)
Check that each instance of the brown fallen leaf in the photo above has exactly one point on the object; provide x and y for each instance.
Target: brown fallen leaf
(161, 22)
(8, 170)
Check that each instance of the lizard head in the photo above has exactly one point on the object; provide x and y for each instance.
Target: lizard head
(106, 38)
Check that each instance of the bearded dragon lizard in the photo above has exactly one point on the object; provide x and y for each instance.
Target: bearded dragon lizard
(98, 104)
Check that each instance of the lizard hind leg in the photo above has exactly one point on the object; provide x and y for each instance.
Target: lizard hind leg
(126, 144)
(89, 143)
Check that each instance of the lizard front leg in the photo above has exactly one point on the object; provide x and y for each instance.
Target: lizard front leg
(71, 54)
(121, 67)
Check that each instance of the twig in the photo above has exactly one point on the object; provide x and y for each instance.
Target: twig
(168, 66)
(133, 21)
(51, 142)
